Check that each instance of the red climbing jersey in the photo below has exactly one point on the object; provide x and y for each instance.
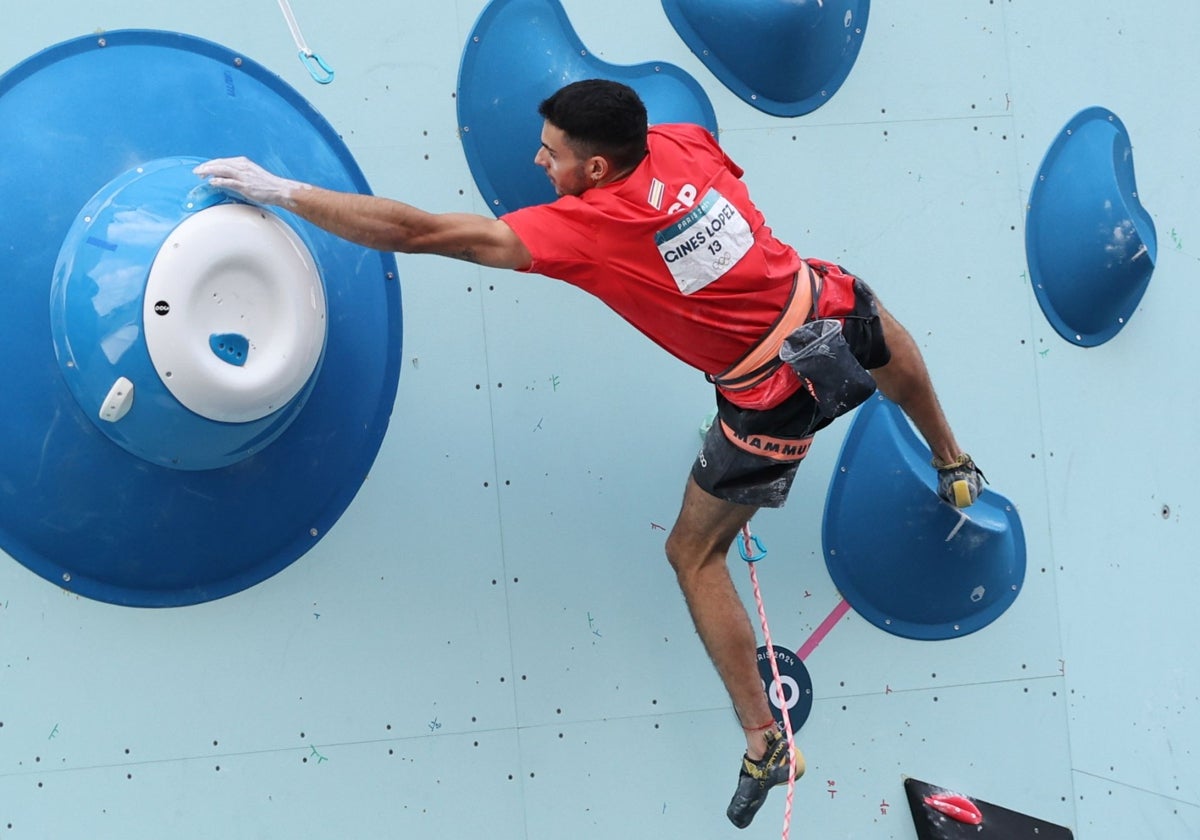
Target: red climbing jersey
(679, 251)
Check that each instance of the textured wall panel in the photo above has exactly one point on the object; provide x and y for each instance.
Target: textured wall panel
(490, 641)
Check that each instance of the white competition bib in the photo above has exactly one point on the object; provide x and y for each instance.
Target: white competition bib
(705, 243)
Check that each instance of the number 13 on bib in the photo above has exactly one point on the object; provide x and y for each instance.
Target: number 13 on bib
(704, 244)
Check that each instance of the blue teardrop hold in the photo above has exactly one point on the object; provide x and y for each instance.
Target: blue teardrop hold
(230, 348)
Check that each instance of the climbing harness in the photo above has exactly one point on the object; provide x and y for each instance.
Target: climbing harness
(760, 362)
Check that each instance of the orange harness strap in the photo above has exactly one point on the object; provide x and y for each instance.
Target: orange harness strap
(762, 360)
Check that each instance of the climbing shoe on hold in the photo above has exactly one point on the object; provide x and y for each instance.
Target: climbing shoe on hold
(959, 482)
(758, 777)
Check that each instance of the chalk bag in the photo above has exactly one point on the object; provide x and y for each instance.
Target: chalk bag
(819, 354)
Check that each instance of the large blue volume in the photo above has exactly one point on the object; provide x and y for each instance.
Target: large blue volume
(1090, 244)
(136, 469)
(518, 53)
(908, 562)
(784, 57)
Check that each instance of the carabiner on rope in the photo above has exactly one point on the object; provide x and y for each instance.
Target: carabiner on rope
(745, 540)
(317, 68)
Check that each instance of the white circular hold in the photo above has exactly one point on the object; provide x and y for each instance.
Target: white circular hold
(234, 269)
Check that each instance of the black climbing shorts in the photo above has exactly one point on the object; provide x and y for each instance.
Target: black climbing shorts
(750, 457)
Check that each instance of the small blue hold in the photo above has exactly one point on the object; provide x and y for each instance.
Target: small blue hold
(230, 348)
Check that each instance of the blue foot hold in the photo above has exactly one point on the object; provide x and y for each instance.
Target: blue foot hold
(904, 559)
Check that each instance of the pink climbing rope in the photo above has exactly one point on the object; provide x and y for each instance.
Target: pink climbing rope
(787, 721)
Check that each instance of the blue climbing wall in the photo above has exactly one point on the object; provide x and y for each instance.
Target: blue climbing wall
(489, 642)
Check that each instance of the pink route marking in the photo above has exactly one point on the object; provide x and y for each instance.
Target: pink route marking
(822, 631)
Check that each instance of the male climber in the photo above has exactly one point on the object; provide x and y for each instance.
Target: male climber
(657, 223)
